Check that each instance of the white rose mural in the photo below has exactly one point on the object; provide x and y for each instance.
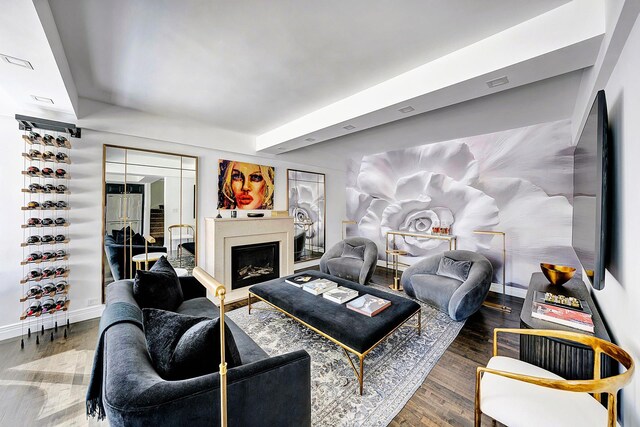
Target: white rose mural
(516, 181)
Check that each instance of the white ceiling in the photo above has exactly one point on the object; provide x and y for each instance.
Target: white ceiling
(254, 65)
(271, 77)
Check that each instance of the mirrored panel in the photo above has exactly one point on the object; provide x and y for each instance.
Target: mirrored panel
(149, 210)
(306, 201)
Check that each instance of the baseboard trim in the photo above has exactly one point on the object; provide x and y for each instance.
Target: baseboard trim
(510, 290)
(16, 329)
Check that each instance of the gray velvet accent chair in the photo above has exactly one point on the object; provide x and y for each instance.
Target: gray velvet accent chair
(355, 262)
(458, 298)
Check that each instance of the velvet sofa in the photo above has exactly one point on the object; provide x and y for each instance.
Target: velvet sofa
(262, 391)
(117, 253)
(458, 298)
(344, 260)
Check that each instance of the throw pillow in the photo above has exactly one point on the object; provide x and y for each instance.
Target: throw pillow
(458, 270)
(159, 287)
(353, 251)
(183, 346)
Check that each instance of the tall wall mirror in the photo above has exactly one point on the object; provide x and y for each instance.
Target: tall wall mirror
(306, 204)
(149, 210)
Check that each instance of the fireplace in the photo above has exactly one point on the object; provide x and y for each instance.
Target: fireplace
(254, 263)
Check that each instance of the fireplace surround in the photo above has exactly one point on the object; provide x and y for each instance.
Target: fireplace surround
(222, 235)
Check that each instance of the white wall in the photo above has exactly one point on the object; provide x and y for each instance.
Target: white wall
(86, 212)
(619, 301)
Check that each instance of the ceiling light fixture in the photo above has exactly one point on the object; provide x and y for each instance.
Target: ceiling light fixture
(310, 139)
(42, 99)
(349, 127)
(16, 61)
(406, 109)
(498, 82)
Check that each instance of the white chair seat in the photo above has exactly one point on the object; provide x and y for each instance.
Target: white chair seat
(516, 403)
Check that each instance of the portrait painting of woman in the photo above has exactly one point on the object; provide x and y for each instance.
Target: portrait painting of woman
(245, 186)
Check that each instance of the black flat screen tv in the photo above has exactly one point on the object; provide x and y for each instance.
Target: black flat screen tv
(590, 168)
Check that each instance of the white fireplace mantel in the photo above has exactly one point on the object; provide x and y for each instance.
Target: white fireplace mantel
(221, 234)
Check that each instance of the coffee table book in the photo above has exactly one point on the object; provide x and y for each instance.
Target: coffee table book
(563, 316)
(319, 286)
(340, 294)
(299, 280)
(368, 305)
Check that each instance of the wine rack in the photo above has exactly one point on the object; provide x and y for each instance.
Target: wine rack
(45, 287)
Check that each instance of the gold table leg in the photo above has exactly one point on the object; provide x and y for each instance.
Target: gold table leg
(359, 374)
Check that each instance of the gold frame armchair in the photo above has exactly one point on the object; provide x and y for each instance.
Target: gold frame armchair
(496, 375)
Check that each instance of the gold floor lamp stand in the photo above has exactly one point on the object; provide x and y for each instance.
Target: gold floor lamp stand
(395, 255)
(219, 291)
(500, 307)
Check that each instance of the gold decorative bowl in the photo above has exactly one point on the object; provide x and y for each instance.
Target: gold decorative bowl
(557, 274)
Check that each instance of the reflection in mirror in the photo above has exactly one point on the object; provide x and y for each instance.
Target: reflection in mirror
(306, 201)
(149, 211)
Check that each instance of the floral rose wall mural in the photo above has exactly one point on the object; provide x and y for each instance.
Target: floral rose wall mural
(517, 181)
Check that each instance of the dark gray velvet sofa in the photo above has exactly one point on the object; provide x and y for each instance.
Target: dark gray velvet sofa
(117, 253)
(263, 391)
(355, 269)
(457, 298)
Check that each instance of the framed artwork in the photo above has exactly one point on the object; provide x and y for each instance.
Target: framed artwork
(245, 186)
(306, 204)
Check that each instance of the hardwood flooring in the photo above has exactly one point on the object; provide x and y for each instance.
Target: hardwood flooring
(46, 384)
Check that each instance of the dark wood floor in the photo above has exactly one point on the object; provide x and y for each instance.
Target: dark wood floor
(446, 397)
(46, 384)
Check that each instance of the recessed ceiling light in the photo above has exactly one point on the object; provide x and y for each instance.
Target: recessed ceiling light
(349, 127)
(42, 99)
(498, 82)
(310, 139)
(16, 61)
(406, 109)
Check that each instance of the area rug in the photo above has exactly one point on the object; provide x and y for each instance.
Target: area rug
(393, 371)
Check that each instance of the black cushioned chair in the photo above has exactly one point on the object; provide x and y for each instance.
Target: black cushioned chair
(354, 265)
(117, 253)
(263, 391)
(460, 299)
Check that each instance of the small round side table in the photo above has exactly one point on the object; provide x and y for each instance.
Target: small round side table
(395, 254)
(146, 259)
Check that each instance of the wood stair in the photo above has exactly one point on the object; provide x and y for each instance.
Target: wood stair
(156, 226)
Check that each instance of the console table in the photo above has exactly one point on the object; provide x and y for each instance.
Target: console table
(569, 360)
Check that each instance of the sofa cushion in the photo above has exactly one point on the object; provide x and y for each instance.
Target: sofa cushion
(346, 268)
(458, 270)
(159, 287)
(249, 351)
(356, 252)
(183, 346)
(434, 289)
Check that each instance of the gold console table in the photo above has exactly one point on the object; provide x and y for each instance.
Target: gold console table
(450, 238)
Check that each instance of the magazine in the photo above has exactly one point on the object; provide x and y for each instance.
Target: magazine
(368, 305)
(319, 286)
(299, 280)
(340, 294)
(562, 316)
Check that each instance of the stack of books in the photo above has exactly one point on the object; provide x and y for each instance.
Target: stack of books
(368, 305)
(340, 294)
(299, 280)
(319, 286)
(571, 314)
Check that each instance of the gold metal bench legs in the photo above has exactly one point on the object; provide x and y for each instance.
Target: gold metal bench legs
(359, 374)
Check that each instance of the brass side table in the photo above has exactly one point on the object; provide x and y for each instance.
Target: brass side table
(395, 254)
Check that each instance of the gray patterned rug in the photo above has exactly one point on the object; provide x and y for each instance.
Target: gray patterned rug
(393, 371)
